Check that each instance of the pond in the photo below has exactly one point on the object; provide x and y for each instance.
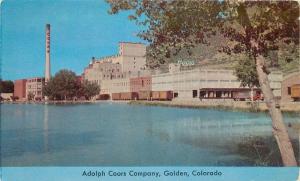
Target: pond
(118, 134)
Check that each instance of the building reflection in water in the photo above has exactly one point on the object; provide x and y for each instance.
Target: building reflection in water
(209, 133)
(45, 128)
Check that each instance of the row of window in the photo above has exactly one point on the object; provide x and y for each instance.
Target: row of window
(109, 70)
(121, 84)
(181, 81)
(207, 94)
(203, 72)
(113, 76)
(34, 80)
(138, 81)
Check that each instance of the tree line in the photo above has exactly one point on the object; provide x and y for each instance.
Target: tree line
(65, 85)
(6, 86)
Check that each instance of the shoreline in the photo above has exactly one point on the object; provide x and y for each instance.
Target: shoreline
(48, 102)
(63, 102)
(247, 106)
(221, 105)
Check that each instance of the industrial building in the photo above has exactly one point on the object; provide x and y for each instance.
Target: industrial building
(102, 69)
(127, 72)
(290, 81)
(130, 62)
(189, 84)
(186, 84)
(115, 85)
(138, 84)
(24, 87)
(20, 89)
(132, 57)
(34, 86)
(112, 73)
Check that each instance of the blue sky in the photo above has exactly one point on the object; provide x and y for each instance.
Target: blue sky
(80, 29)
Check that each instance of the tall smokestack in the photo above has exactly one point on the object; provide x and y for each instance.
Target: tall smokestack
(47, 64)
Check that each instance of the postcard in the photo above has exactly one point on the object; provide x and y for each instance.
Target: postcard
(150, 90)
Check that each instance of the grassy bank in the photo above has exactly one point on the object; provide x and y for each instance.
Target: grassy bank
(224, 105)
(292, 107)
(63, 102)
(49, 102)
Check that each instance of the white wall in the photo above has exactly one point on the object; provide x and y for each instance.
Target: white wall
(184, 82)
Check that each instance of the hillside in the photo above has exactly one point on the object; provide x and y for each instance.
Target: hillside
(286, 59)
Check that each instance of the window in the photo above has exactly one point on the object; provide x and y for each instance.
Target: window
(202, 93)
(175, 94)
(195, 93)
(289, 91)
(219, 94)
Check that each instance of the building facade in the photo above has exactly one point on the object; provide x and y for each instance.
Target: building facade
(186, 84)
(34, 87)
(132, 58)
(127, 72)
(138, 84)
(99, 70)
(20, 89)
(287, 83)
(112, 73)
(120, 85)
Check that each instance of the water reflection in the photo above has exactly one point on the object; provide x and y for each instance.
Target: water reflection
(45, 130)
(196, 131)
(119, 134)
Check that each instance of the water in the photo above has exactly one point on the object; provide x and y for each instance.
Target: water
(115, 134)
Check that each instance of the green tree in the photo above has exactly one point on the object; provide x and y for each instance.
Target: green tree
(6, 86)
(63, 86)
(254, 28)
(288, 58)
(245, 70)
(49, 90)
(89, 89)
